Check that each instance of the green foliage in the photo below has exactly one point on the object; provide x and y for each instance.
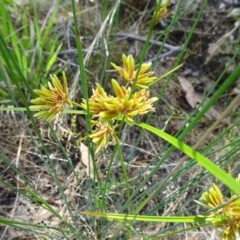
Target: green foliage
(29, 49)
(33, 47)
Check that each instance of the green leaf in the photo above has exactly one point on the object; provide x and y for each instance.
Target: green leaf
(216, 171)
(145, 218)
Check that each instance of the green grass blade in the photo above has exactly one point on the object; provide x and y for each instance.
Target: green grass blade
(203, 161)
(173, 219)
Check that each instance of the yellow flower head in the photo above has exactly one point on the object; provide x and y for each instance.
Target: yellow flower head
(230, 228)
(230, 211)
(214, 197)
(163, 12)
(124, 104)
(102, 135)
(97, 102)
(129, 73)
(52, 101)
(129, 105)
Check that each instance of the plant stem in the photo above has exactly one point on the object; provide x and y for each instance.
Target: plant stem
(124, 171)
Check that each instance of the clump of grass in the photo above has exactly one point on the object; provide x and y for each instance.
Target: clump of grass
(126, 105)
(109, 118)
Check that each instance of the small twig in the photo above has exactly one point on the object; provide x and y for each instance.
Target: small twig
(166, 54)
(154, 42)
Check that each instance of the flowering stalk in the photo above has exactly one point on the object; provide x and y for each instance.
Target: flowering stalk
(126, 104)
(229, 210)
(129, 73)
(103, 108)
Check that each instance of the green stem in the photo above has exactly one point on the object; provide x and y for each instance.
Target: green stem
(76, 104)
(3, 93)
(124, 170)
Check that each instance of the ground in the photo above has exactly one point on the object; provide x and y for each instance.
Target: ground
(214, 42)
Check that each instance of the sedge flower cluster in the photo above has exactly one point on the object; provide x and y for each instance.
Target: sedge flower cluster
(51, 100)
(126, 103)
(228, 209)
